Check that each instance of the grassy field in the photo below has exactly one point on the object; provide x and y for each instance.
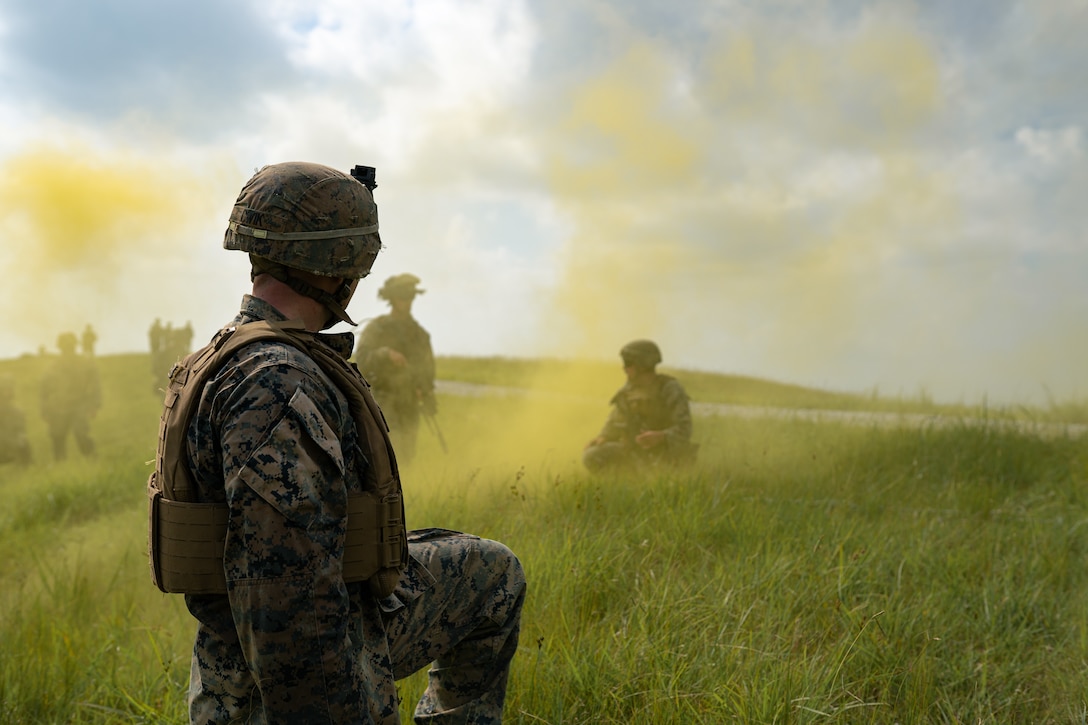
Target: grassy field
(803, 572)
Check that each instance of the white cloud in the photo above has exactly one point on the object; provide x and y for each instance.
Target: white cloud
(1051, 146)
(432, 47)
(838, 175)
(454, 102)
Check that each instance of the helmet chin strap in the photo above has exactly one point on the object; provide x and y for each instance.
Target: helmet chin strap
(333, 302)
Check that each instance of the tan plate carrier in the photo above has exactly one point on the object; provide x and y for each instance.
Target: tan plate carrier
(186, 538)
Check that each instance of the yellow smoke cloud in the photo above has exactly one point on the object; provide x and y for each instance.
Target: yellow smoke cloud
(618, 143)
(687, 189)
(81, 208)
(694, 191)
(77, 221)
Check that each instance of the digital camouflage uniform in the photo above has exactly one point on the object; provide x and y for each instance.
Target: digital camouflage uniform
(662, 405)
(70, 396)
(290, 642)
(402, 391)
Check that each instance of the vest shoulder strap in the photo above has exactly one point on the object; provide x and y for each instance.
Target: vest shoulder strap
(186, 383)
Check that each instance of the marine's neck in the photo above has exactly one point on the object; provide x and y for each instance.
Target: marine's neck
(289, 303)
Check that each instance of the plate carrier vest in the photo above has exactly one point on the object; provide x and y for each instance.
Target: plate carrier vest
(186, 538)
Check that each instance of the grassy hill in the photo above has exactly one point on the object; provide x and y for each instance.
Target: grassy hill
(801, 572)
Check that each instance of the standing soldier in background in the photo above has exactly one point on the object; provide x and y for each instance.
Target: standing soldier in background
(650, 421)
(168, 346)
(155, 343)
(395, 356)
(314, 598)
(14, 446)
(70, 397)
(87, 342)
(185, 339)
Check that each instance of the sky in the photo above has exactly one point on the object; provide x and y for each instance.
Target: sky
(857, 196)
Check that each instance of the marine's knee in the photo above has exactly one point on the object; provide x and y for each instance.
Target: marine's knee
(504, 564)
(604, 456)
(595, 459)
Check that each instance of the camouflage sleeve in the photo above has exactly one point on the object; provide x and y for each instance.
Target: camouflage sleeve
(284, 482)
(428, 364)
(676, 401)
(373, 349)
(424, 372)
(615, 426)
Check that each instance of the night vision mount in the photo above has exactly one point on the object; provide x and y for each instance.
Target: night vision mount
(365, 175)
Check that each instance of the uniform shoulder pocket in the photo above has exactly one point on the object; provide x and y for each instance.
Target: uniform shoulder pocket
(292, 468)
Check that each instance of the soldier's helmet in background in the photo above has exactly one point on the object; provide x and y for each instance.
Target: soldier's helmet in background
(308, 217)
(67, 342)
(641, 354)
(400, 286)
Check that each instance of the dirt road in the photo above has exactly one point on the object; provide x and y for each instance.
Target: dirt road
(451, 387)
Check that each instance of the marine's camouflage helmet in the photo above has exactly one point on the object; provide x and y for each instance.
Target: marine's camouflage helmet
(309, 217)
(400, 286)
(641, 354)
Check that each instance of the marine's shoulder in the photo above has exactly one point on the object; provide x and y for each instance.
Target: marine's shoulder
(394, 327)
(420, 328)
(271, 353)
(620, 394)
(670, 386)
(380, 321)
(269, 358)
(378, 325)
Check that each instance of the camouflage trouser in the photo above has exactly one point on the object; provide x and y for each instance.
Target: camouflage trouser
(80, 428)
(402, 416)
(456, 607)
(616, 455)
(611, 455)
(465, 623)
(15, 451)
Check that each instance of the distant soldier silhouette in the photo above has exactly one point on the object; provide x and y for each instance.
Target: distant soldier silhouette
(168, 345)
(395, 356)
(650, 421)
(14, 446)
(166, 348)
(155, 344)
(185, 340)
(70, 397)
(87, 342)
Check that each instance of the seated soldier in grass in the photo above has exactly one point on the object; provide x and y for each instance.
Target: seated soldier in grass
(650, 421)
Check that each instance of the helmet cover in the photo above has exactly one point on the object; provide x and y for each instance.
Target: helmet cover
(308, 217)
(641, 353)
(400, 286)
